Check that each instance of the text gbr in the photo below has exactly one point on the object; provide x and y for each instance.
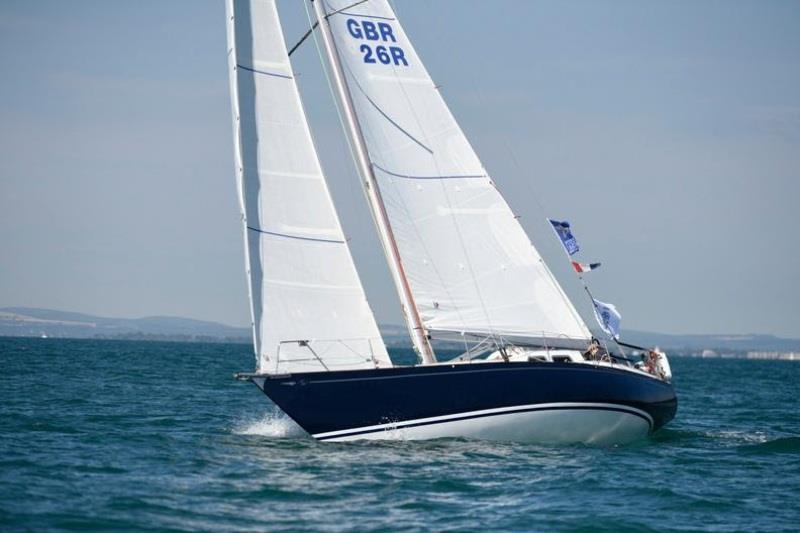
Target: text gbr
(380, 31)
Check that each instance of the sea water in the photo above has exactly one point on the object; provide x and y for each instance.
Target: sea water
(123, 435)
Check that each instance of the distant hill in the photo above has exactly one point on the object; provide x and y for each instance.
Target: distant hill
(720, 343)
(32, 322)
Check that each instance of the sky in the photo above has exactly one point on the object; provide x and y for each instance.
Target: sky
(667, 133)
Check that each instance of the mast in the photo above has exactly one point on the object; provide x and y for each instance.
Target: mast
(416, 329)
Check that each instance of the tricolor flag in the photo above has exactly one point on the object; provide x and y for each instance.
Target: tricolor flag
(580, 268)
(566, 236)
(608, 317)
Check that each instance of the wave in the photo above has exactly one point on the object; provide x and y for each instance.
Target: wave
(780, 445)
(727, 438)
(274, 425)
(738, 436)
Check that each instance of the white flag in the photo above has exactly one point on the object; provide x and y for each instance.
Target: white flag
(608, 317)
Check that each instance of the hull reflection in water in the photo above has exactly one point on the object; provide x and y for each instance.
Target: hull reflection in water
(548, 403)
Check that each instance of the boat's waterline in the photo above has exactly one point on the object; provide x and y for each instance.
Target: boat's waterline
(553, 423)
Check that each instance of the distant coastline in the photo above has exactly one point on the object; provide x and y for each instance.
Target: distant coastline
(50, 323)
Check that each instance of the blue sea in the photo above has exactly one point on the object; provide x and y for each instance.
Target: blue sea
(124, 435)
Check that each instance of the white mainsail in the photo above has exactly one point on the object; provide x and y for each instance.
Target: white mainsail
(309, 309)
(471, 267)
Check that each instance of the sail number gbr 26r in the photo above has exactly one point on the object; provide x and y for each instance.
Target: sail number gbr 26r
(380, 32)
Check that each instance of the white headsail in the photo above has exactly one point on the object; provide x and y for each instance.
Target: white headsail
(471, 267)
(309, 309)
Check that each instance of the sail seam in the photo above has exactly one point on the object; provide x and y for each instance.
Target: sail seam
(266, 73)
(410, 177)
(343, 12)
(321, 286)
(288, 236)
(384, 115)
(362, 16)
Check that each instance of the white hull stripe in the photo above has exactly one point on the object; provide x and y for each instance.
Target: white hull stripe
(486, 413)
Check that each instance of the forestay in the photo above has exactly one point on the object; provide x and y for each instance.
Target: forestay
(471, 266)
(309, 308)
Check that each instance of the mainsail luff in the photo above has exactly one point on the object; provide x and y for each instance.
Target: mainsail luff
(417, 331)
(470, 265)
(230, 31)
(310, 312)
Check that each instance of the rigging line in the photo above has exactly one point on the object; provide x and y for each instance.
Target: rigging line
(583, 282)
(454, 221)
(573, 311)
(444, 286)
(415, 228)
(504, 138)
(350, 146)
(321, 173)
(421, 242)
(336, 103)
(402, 202)
(314, 26)
(402, 205)
(325, 185)
(594, 309)
(345, 99)
(531, 192)
(442, 45)
(633, 346)
(336, 107)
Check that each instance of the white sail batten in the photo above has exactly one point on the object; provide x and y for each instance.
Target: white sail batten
(309, 309)
(471, 267)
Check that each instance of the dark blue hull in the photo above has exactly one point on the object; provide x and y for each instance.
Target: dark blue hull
(361, 403)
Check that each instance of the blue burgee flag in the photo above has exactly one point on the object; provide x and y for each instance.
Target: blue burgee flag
(608, 317)
(566, 236)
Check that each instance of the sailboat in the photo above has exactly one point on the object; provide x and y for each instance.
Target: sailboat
(463, 267)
